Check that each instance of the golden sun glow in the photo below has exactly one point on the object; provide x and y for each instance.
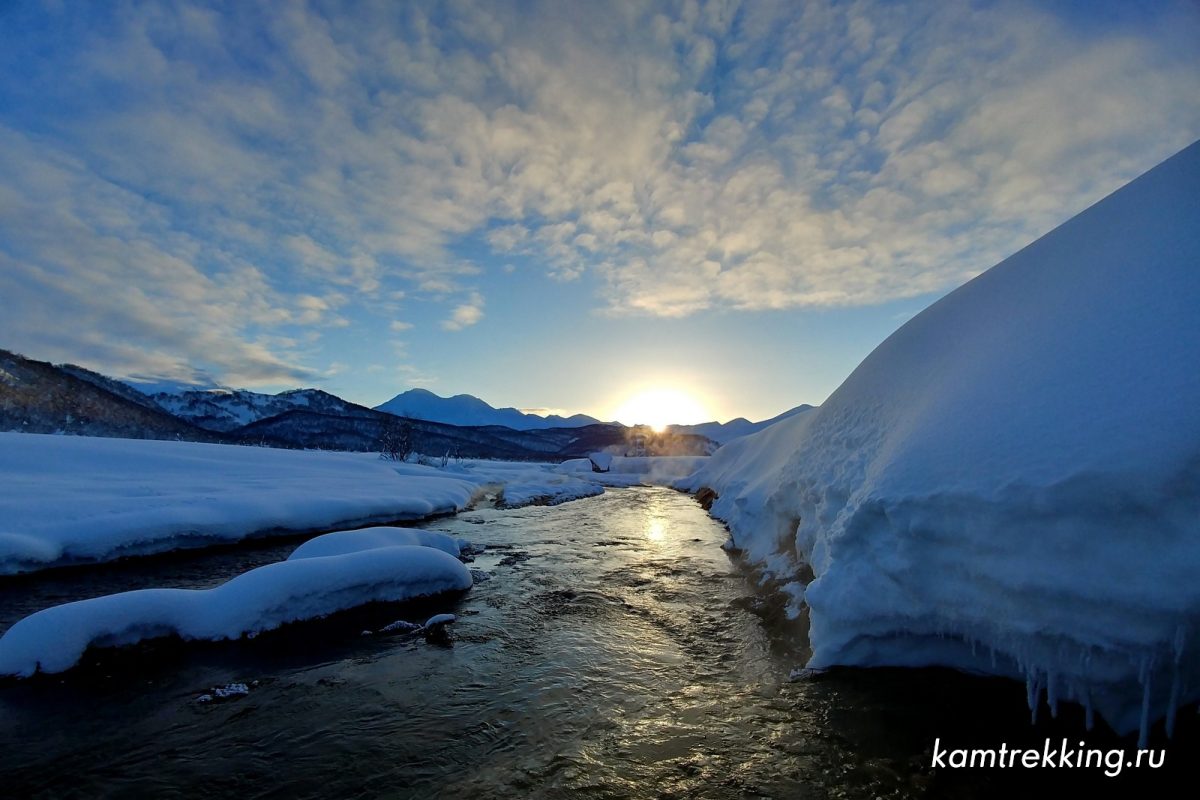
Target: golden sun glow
(659, 408)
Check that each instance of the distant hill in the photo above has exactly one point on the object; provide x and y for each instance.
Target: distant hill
(119, 388)
(465, 409)
(38, 397)
(722, 432)
(227, 410)
(309, 429)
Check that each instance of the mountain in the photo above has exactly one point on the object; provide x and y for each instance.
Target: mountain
(152, 385)
(722, 432)
(38, 397)
(119, 388)
(310, 430)
(226, 410)
(465, 409)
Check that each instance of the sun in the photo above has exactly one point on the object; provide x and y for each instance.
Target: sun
(659, 408)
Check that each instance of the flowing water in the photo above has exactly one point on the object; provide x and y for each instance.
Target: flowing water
(609, 648)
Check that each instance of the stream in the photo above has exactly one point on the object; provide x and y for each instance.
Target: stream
(609, 648)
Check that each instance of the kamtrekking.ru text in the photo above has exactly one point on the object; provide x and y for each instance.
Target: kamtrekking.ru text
(1052, 755)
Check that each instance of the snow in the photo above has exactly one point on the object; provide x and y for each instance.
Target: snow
(1010, 484)
(601, 462)
(224, 693)
(66, 499)
(548, 489)
(341, 542)
(399, 626)
(54, 640)
(70, 500)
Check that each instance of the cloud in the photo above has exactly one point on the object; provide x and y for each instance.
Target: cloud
(466, 314)
(192, 187)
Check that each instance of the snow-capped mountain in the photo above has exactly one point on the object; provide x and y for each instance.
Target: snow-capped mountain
(722, 432)
(225, 410)
(38, 397)
(465, 409)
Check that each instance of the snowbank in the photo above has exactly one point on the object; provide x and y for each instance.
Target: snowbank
(547, 489)
(68, 499)
(1011, 482)
(262, 599)
(522, 483)
(342, 542)
(640, 471)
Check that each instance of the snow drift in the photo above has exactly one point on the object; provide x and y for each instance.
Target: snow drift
(262, 599)
(66, 499)
(1011, 482)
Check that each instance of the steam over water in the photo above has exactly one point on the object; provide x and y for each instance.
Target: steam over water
(609, 648)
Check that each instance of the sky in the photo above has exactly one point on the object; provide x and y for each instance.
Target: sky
(549, 205)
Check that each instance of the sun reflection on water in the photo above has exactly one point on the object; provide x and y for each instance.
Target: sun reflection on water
(656, 531)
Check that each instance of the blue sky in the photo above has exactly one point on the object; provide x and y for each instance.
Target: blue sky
(549, 205)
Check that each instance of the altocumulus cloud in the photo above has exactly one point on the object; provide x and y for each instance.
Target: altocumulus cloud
(185, 184)
(466, 314)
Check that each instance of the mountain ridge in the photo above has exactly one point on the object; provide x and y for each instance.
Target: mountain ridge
(469, 410)
(722, 432)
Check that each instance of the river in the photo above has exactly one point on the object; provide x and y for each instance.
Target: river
(609, 649)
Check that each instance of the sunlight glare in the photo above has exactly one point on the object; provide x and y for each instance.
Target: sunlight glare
(659, 408)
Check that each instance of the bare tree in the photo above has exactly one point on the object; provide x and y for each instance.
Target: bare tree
(396, 439)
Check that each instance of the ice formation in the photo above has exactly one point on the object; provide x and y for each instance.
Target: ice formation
(1011, 482)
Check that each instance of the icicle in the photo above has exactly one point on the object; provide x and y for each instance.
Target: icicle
(1052, 694)
(1033, 695)
(1173, 701)
(1089, 713)
(1144, 726)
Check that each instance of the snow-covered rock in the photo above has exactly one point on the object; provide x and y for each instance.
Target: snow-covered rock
(1011, 482)
(260, 600)
(601, 462)
(341, 542)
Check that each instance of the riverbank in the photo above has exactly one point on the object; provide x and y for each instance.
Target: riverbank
(69, 500)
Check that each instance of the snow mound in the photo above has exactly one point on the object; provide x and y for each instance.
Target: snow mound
(260, 600)
(68, 499)
(1011, 482)
(342, 542)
